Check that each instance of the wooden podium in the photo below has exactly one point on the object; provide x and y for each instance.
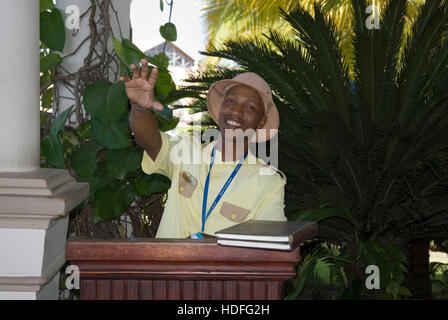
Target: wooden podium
(179, 269)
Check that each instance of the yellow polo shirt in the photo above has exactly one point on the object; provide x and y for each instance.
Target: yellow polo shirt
(256, 192)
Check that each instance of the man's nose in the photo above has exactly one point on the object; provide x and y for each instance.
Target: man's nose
(236, 109)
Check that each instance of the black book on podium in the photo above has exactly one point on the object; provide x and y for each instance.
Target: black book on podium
(277, 235)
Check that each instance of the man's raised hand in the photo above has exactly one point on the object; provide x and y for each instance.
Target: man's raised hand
(139, 89)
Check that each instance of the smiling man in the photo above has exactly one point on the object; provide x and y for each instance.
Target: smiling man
(229, 184)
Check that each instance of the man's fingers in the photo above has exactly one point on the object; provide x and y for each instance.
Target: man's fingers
(153, 78)
(125, 78)
(157, 105)
(145, 69)
(136, 71)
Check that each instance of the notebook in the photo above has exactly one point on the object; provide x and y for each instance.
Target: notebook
(277, 235)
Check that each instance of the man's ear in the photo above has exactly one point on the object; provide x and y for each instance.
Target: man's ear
(262, 122)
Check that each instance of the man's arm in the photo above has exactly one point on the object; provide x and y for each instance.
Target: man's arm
(146, 132)
(140, 91)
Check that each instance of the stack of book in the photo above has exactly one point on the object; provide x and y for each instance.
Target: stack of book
(277, 235)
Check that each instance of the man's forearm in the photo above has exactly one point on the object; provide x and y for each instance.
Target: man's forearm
(146, 132)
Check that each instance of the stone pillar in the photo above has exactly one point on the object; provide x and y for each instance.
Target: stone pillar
(19, 86)
(34, 202)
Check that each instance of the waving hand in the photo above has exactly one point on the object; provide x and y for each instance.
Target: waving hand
(140, 89)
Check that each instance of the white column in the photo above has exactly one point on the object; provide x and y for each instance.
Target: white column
(34, 202)
(19, 86)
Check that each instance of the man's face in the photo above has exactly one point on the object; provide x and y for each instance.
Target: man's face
(242, 109)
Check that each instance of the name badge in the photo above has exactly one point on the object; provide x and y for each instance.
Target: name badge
(189, 178)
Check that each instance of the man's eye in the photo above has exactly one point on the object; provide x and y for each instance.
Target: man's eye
(229, 100)
(251, 108)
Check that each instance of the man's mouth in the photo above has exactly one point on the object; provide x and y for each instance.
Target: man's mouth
(233, 123)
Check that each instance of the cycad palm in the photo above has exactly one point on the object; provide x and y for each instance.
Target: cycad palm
(373, 148)
(226, 18)
(251, 18)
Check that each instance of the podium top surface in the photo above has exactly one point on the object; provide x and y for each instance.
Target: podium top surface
(150, 249)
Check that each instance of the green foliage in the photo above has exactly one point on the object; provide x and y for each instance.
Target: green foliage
(46, 5)
(50, 62)
(111, 201)
(129, 54)
(101, 150)
(53, 151)
(123, 161)
(303, 276)
(113, 135)
(51, 144)
(439, 279)
(149, 184)
(105, 101)
(367, 158)
(169, 32)
(52, 30)
(52, 37)
(115, 178)
(84, 161)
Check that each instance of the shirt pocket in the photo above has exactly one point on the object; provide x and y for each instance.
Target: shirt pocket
(233, 212)
(187, 184)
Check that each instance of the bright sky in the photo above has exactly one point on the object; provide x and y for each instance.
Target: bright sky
(146, 19)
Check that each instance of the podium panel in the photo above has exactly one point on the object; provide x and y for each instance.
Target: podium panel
(177, 269)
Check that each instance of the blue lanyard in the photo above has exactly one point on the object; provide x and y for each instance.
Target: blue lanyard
(224, 188)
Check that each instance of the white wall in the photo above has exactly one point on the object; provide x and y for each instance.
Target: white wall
(19, 86)
(74, 39)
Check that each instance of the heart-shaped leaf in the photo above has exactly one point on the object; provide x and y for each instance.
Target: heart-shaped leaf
(114, 135)
(106, 101)
(129, 54)
(84, 160)
(164, 84)
(163, 123)
(52, 30)
(118, 48)
(99, 179)
(132, 54)
(122, 161)
(111, 201)
(160, 60)
(169, 32)
(154, 183)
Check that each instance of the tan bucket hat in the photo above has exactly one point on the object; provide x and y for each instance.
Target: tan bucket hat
(217, 91)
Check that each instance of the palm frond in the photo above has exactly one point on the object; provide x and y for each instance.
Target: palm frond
(427, 33)
(318, 37)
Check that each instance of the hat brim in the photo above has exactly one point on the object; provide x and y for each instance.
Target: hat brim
(215, 98)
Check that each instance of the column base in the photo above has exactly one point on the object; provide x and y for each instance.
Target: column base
(33, 230)
(49, 291)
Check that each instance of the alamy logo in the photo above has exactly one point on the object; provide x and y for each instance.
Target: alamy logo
(72, 21)
(373, 280)
(72, 281)
(373, 21)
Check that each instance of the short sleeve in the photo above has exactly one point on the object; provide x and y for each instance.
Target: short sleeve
(162, 163)
(273, 206)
